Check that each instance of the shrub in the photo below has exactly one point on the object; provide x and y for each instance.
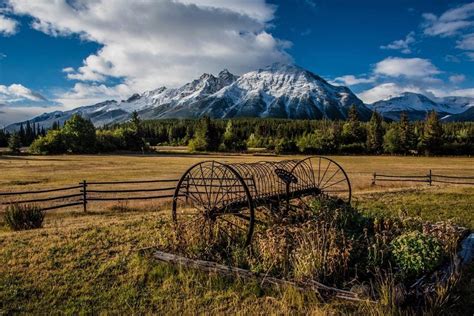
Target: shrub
(52, 143)
(23, 217)
(415, 253)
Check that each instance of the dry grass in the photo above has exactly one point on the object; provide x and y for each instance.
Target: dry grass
(88, 263)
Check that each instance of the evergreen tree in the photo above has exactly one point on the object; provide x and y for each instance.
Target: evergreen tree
(4, 136)
(432, 134)
(29, 134)
(205, 137)
(391, 141)
(407, 135)
(79, 135)
(22, 134)
(352, 131)
(135, 140)
(14, 143)
(375, 134)
(231, 142)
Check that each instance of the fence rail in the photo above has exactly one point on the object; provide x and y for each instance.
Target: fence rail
(85, 192)
(429, 178)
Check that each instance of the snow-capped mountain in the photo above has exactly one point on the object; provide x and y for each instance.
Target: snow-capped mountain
(417, 106)
(279, 91)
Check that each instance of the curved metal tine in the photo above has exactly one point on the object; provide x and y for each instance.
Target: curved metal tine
(308, 171)
(233, 224)
(221, 179)
(337, 171)
(333, 184)
(229, 192)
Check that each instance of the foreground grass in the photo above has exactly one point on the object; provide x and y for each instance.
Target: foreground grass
(92, 263)
(431, 204)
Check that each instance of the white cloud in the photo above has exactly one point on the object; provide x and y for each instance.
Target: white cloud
(17, 92)
(406, 67)
(457, 78)
(463, 92)
(68, 70)
(450, 22)
(148, 44)
(402, 45)
(467, 42)
(87, 94)
(386, 91)
(7, 26)
(11, 114)
(351, 80)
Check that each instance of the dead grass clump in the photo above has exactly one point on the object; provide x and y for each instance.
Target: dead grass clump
(23, 217)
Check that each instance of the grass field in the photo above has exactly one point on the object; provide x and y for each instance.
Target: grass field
(89, 263)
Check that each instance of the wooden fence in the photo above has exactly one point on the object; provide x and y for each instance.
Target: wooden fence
(429, 178)
(85, 192)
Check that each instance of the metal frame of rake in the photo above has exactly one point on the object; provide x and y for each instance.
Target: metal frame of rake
(226, 200)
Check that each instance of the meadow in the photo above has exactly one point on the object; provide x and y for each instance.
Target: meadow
(91, 263)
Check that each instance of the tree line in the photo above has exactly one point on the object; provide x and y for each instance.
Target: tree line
(428, 137)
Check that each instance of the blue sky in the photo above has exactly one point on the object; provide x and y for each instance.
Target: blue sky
(55, 55)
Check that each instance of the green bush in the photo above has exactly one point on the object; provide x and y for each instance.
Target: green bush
(415, 253)
(23, 217)
(52, 143)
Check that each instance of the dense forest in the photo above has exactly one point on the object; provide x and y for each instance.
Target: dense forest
(78, 135)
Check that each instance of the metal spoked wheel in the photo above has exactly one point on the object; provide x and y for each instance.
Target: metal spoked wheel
(212, 202)
(325, 175)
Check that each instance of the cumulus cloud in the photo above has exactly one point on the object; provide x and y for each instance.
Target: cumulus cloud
(351, 80)
(8, 26)
(12, 114)
(466, 42)
(402, 45)
(406, 67)
(87, 94)
(148, 44)
(450, 22)
(18, 92)
(18, 103)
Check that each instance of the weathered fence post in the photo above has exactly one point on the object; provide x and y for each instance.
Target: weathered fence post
(430, 180)
(374, 178)
(84, 195)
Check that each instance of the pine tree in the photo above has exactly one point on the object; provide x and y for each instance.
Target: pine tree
(206, 137)
(407, 134)
(432, 134)
(352, 131)
(14, 143)
(22, 134)
(375, 134)
(29, 137)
